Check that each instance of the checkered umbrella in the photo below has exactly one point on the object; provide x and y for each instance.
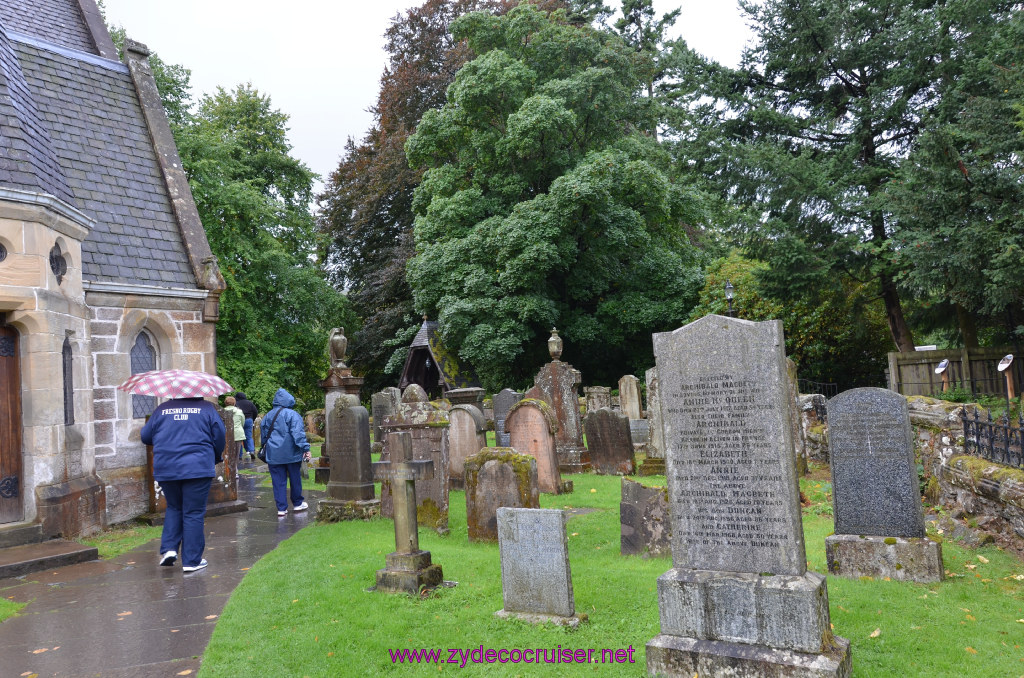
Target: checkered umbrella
(176, 384)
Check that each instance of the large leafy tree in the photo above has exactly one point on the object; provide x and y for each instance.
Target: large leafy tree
(544, 203)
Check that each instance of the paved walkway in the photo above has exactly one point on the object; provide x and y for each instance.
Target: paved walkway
(129, 618)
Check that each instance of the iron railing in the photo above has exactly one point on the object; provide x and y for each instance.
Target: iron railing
(827, 389)
(997, 440)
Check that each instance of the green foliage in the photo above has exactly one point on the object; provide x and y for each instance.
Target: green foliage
(544, 204)
(121, 538)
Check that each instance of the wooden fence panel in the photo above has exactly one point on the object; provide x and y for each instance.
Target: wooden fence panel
(971, 369)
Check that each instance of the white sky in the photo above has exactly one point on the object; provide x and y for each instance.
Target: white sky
(321, 60)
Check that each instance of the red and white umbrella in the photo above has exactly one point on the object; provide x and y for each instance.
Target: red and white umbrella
(176, 384)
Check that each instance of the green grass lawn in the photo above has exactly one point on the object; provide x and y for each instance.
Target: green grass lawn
(303, 609)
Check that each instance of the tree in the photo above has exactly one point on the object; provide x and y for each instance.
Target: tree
(544, 203)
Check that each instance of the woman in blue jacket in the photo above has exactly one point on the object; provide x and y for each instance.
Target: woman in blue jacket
(286, 448)
(187, 435)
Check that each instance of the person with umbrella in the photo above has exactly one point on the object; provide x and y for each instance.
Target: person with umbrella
(188, 437)
(284, 440)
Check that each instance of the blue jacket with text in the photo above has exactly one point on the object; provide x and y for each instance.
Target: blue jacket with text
(186, 434)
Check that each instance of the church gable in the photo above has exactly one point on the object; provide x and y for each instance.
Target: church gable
(57, 21)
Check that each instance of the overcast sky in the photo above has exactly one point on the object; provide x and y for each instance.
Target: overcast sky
(321, 60)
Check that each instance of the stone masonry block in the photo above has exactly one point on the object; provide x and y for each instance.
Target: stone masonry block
(198, 337)
(916, 559)
(112, 369)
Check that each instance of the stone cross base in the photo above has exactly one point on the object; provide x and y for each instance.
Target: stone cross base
(652, 466)
(408, 573)
(573, 459)
(558, 620)
(916, 559)
(322, 470)
(786, 612)
(336, 511)
(688, 657)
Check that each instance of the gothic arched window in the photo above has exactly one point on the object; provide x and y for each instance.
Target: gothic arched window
(143, 360)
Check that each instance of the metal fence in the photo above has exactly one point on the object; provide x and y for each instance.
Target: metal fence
(996, 440)
(827, 389)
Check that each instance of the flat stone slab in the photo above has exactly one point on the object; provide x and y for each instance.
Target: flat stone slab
(916, 559)
(20, 560)
(571, 622)
(336, 510)
(688, 657)
(535, 576)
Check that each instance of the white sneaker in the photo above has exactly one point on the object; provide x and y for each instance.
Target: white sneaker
(168, 558)
(282, 514)
(193, 568)
(301, 507)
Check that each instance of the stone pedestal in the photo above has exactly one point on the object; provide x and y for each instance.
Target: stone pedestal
(652, 466)
(678, 656)
(473, 396)
(408, 573)
(917, 559)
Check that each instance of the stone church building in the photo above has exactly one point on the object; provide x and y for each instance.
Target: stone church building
(105, 269)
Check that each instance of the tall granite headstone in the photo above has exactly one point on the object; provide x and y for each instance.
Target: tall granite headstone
(496, 477)
(532, 429)
(739, 599)
(598, 397)
(350, 490)
(467, 435)
(383, 404)
(536, 582)
(609, 443)
(629, 397)
(654, 463)
(503, 402)
(879, 520)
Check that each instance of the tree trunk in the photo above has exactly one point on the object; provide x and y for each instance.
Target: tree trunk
(968, 330)
(901, 335)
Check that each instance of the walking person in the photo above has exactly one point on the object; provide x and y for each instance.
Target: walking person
(250, 412)
(284, 439)
(238, 428)
(187, 435)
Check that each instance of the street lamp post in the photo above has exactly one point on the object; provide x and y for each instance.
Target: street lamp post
(728, 296)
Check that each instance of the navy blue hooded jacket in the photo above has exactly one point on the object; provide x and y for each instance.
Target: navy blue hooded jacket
(287, 444)
(185, 434)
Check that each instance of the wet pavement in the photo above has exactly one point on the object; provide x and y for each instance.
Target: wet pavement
(127, 616)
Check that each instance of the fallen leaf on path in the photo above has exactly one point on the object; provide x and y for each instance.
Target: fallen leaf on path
(186, 672)
(971, 650)
(593, 489)
(41, 650)
(210, 616)
(965, 609)
(875, 633)
(970, 617)
(123, 614)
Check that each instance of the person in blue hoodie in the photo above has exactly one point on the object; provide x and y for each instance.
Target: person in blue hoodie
(286, 448)
(188, 437)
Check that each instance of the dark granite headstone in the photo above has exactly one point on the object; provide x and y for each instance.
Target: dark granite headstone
(350, 490)
(497, 477)
(503, 402)
(609, 442)
(644, 520)
(383, 404)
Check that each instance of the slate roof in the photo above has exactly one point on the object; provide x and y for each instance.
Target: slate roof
(56, 21)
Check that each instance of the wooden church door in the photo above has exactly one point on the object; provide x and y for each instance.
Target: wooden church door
(11, 507)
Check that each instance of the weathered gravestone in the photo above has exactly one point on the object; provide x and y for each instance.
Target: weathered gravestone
(383, 404)
(428, 426)
(644, 520)
(739, 600)
(473, 396)
(503, 402)
(467, 435)
(654, 463)
(876, 496)
(557, 384)
(536, 583)
(629, 397)
(609, 443)
(799, 448)
(339, 384)
(408, 569)
(598, 397)
(350, 490)
(497, 477)
(532, 428)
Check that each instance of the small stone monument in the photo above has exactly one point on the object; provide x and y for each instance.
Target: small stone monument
(350, 491)
(467, 435)
(532, 428)
(875, 492)
(383, 404)
(503, 402)
(644, 520)
(609, 443)
(739, 600)
(536, 583)
(339, 383)
(557, 384)
(408, 569)
(473, 395)
(629, 397)
(598, 397)
(654, 463)
(497, 477)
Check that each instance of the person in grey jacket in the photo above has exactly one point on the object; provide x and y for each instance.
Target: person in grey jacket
(286, 448)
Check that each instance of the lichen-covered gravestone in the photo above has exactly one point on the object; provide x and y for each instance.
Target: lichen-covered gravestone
(557, 384)
(609, 443)
(876, 496)
(598, 397)
(654, 463)
(532, 428)
(739, 600)
(497, 477)
(383, 404)
(536, 582)
(503, 402)
(350, 490)
(629, 397)
(644, 520)
(467, 435)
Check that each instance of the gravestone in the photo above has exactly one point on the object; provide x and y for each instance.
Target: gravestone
(532, 428)
(629, 397)
(639, 430)
(350, 490)
(503, 402)
(609, 443)
(654, 463)
(536, 583)
(383, 404)
(408, 569)
(557, 384)
(799, 447)
(497, 477)
(879, 520)
(467, 435)
(644, 520)
(428, 426)
(739, 599)
(473, 396)
(339, 384)
(598, 397)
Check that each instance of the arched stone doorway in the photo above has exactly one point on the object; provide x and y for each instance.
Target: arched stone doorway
(12, 507)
